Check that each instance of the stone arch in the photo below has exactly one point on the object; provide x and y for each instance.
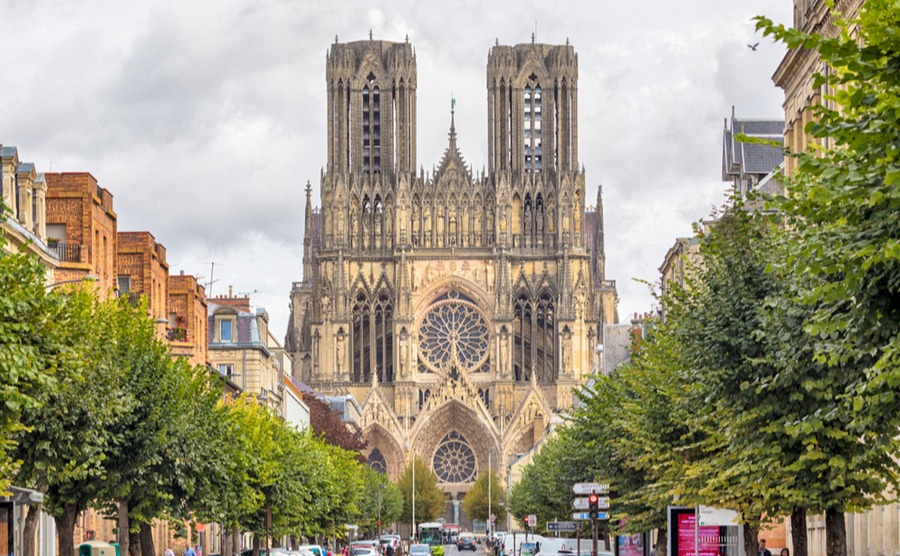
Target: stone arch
(454, 283)
(378, 438)
(456, 416)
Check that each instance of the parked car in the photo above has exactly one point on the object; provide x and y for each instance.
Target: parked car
(419, 550)
(314, 549)
(362, 551)
(466, 542)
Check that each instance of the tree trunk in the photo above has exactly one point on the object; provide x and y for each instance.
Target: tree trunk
(798, 532)
(146, 535)
(255, 545)
(662, 543)
(29, 528)
(134, 544)
(236, 540)
(65, 530)
(835, 533)
(226, 541)
(751, 539)
(123, 526)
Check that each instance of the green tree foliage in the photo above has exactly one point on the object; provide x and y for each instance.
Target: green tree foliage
(843, 246)
(475, 504)
(430, 500)
(62, 448)
(545, 489)
(378, 487)
(31, 328)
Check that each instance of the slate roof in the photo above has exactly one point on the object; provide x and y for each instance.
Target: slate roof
(751, 158)
(7, 152)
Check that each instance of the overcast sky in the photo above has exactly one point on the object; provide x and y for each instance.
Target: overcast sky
(206, 119)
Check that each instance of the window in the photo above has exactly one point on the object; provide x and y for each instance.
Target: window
(226, 369)
(226, 331)
(124, 283)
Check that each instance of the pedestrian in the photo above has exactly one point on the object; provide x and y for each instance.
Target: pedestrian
(785, 551)
(169, 552)
(763, 551)
(389, 551)
(199, 550)
(188, 551)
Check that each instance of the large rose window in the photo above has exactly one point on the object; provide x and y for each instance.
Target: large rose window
(454, 327)
(454, 461)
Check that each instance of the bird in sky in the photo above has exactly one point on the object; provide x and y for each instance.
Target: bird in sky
(753, 46)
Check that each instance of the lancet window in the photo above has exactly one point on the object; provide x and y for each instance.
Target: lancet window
(373, 341)
(534, 348)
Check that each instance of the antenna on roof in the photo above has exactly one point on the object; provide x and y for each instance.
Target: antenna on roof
(212, 271)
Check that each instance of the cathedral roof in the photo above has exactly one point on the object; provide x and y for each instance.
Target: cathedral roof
(452, 161)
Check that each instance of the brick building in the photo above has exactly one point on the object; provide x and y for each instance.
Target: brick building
(187, 315)
(142, 270)
(81, 228)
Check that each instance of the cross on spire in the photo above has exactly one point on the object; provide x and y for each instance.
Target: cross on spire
(370, 34)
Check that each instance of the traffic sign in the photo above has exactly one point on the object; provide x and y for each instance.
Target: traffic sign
(561, 526)
(532, 520)
(585, 516)
(587, 488)
(583, 504)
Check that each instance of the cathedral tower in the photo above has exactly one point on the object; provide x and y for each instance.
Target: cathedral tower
(533, 108)
(371, 107)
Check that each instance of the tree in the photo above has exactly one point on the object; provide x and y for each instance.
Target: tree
(63, 443)
(841, 210)
(430, 500)
(476, 505)
(327, 422)
(380, 498)
(30, 344)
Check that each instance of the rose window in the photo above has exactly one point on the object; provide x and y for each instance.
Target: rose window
(454, 327)
(454, 461)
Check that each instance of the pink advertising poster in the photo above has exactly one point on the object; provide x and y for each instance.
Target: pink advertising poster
(631, 545)
(708, 537)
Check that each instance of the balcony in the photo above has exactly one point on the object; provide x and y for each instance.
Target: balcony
(69, 252)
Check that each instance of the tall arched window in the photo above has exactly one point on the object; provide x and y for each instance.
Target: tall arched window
(384, 339)
(361, 334)
(534, 348)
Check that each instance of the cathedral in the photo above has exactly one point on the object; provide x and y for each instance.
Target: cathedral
(459, 309)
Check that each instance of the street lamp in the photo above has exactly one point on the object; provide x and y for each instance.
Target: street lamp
(87, 278)
(381, 487)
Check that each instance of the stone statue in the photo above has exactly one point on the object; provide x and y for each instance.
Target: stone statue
(504, 354)
(567, 353)
(404, 355)
(339, 353)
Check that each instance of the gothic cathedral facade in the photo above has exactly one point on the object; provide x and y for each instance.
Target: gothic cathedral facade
(459, 309)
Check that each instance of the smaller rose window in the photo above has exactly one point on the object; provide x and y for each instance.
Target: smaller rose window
(454, 461)
(376, 461)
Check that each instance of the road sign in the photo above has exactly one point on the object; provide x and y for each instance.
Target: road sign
(717, 516)
(582, 503)
(585, 516)
(587, 488)
(532, 520)
(561, 526)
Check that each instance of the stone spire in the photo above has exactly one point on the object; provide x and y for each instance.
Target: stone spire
(307, 237)
(601, 248)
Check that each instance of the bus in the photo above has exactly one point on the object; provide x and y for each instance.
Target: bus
(432, 534)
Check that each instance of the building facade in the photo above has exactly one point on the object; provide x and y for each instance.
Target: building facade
(81, 228)
(244, 350)
(24, 192)
(458, 308)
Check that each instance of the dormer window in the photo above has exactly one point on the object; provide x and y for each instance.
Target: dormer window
(226, 330)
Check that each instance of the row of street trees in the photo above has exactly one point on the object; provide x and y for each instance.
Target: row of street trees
(95, 413)
(772, 384)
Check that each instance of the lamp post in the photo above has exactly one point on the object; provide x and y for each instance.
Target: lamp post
(87, 278)
(381, 487)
